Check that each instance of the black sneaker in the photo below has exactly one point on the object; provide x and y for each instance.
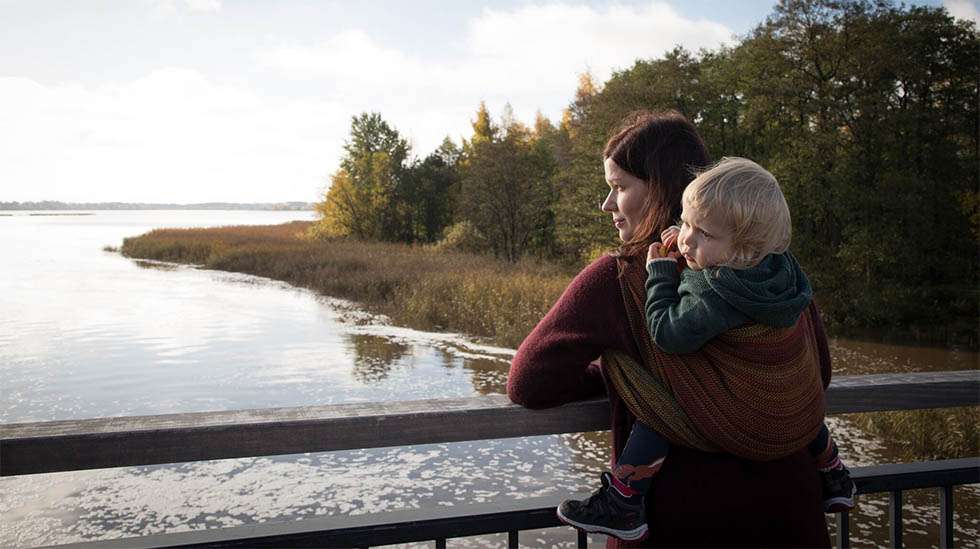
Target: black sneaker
(607, 512)
(838, 490)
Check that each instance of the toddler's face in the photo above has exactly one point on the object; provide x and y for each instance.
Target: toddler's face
(702, 241)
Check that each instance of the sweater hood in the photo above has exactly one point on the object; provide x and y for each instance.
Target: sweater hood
(773, 293)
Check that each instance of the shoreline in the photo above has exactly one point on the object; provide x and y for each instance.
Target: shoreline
(416, 286)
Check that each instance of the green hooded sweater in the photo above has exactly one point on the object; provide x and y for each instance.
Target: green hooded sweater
(686, 310)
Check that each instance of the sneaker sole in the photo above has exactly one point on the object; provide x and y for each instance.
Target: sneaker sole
(635, 534)
(840, 504)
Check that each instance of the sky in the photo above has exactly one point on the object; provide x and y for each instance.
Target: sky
(251, 101)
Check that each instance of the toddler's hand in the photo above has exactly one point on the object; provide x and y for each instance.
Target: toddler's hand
(659, 251)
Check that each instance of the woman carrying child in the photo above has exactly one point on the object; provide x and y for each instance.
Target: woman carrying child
(758, 393)
(707, 492)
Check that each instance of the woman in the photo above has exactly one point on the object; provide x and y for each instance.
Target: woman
(698, 498)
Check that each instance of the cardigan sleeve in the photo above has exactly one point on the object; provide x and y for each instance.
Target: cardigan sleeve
(555, 364)
(679, 321)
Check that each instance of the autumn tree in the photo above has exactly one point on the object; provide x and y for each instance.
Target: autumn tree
(581, 228)
(428, 189)
(874, 141)
(506, 189)
(364, 199)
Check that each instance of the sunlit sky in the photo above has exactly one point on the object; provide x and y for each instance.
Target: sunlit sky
(250, 101)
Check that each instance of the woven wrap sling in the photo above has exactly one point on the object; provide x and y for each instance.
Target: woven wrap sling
(754, 392)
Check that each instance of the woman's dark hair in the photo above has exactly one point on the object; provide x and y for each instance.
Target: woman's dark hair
(664, 150)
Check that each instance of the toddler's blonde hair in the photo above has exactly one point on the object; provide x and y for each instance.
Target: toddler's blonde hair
(743, 197)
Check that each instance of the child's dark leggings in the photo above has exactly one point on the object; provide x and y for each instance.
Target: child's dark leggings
(646, 449)
(641, 459)
(824, 450)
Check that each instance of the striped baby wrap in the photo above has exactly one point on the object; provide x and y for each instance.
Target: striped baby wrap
(755, 392)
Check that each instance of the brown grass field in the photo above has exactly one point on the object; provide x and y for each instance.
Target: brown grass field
(416, 286)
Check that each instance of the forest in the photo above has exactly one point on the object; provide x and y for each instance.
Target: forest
(866, 112)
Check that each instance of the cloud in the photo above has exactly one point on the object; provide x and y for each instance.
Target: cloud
(169, 137)
(350, 56)
(212, 6)
(177, 134)
(530, 57)
(167, 7)
(555, 39)
(963, 9)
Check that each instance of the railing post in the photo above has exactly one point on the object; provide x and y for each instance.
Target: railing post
(843, 530)
(512, 542)
(895, 519)
(583, 540)
(441, 543)
(946, 517)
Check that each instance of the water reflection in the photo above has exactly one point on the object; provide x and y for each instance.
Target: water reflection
(156, 265)
(449, 360)
(486, 376)
(855, 357)
(374, 357)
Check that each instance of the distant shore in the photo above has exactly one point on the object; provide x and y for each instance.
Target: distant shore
(52, 205)
(33, 214)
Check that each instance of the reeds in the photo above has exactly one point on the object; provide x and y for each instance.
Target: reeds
(416, 286)
(930, 434)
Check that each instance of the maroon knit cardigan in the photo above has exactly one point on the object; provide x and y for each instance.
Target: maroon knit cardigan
(698, 499)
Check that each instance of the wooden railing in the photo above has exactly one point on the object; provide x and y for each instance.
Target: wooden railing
(31, 448)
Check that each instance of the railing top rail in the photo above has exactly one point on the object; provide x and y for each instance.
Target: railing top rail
(27, 448)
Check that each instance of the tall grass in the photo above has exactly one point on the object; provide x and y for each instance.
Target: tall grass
(415, 286)
(942, 433)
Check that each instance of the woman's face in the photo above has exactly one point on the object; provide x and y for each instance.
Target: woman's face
(626, 200)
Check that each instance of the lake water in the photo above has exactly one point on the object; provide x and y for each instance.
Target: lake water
(88, 333)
